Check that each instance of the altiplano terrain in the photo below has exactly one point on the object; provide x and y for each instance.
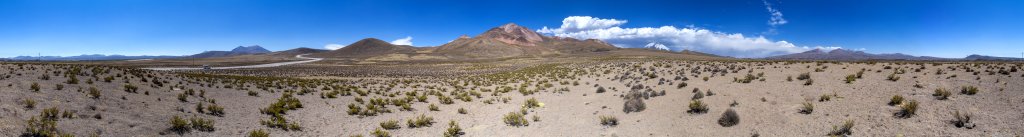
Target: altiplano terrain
(511, 81)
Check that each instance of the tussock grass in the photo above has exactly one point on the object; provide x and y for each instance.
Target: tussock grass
(697, 107)
(180, 125)
(608, 120)
(532, 103)
(850, 78)
(968, 90)
(962, 120)
(895, 100)
(41, 128)
(941, 94)
(893, 77)
(34, 87)
(131, 88)
(259, 133)
(182, 97)
(515, 119)
(907, 109)
(804, 76)
(420, 121)
(50, 114)
(807, 108)
(453, 130)
(380, 133)
(29, 103)
(390, 124)
(94, 93)
(845, 129)
(433, 107)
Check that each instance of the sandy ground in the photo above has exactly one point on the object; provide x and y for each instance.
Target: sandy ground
(767, 108)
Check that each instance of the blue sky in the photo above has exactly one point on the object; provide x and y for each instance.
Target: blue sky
(178, 27)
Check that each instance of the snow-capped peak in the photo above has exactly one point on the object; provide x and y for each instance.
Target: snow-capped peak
(657, 46)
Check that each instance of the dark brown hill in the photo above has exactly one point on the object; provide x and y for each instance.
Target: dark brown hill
(368, 47)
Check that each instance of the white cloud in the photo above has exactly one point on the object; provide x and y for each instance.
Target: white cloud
(676, 39)
(828, 48)
(333, 46)
(776, 19)
(403, 41)
(582, 23)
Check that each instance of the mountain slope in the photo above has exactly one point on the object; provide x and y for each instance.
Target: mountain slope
(297, 51)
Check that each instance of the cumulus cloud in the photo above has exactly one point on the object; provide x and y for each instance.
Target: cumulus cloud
(583, 23)
(403, 41)
(676, 39)
(333, 46)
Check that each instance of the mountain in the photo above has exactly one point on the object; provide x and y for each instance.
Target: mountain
(254, 49)
(511, 40)
(513, 34)
(976, 57)
(367, 48)
(848, 55)
(240, 50)
(88, 57)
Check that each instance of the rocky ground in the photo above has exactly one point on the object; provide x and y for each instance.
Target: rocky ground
(645, 97)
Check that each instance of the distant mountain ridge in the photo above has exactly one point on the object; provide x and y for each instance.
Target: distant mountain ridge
(88, 57)
(989, 58)
(850, 55)
(240, 50)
